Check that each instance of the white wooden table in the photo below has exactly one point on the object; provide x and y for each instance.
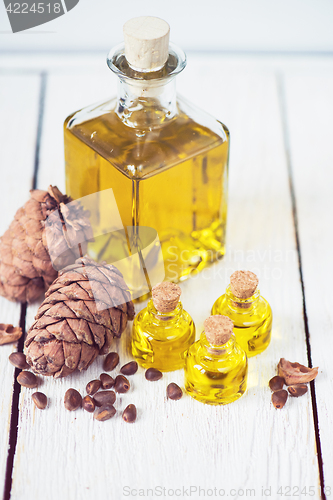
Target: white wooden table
(279, 112)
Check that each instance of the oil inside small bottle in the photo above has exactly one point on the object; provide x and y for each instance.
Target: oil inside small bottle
(161, 340)
(252, 319)
(216, 375)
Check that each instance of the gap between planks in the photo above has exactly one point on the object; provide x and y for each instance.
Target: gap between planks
(14, 414)
(285, 128)
(20, 346)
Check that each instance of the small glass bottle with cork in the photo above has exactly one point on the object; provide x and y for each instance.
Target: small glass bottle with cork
(163, 331)
(215, 365)
(249, 311)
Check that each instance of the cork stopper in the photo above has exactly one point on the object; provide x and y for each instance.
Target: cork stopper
(243, 284)
(218, 329)
(146, 43)
(166, 296)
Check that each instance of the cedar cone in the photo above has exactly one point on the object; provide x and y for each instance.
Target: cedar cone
(26, 269)
(86, 306)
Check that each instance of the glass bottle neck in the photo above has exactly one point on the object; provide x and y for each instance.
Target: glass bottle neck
(146, 99)
(146, 104)
(158, 316)
(242, 305)
(218, 351)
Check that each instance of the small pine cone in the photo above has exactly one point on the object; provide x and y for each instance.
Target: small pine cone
(85, 308)
(45, 222)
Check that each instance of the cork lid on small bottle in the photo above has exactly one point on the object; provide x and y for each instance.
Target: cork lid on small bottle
(218, 329)
(166, 296)
(146, 43)
(243, 284)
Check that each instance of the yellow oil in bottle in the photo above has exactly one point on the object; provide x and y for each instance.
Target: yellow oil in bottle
(185, 201)
(252, 319)
(216, 375)
(161, 340)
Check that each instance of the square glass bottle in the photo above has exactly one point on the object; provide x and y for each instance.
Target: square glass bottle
(165, 160)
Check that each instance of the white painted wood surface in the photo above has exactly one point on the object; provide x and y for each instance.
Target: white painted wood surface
(210, 25)
(246, 445)
(309, 104)
(17, 154)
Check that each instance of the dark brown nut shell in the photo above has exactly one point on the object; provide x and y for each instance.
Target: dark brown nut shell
(130, 368)
(88, 404)
(40, 400)
(93, 386)
(105, 398)
(174, 391)
(18, 359)
(72, 400)
(106, 380)
(27, 379)
(295, 373)
(279, 398)
(152, 374)
(276, 383)
(121, 384)
(104, 413)
(297, 390)
(111, 361)
(129, 414)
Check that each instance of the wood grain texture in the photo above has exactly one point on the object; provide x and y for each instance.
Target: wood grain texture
(91, 62)
(246, 445)
(18, 138)
(309, 107)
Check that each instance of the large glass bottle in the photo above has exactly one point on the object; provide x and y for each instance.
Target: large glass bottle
(165, 160)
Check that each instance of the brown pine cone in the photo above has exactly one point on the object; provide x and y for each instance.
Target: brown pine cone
(45, 221)
(84, 309)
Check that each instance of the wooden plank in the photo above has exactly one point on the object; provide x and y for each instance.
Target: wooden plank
(309, 103)
(17, 154)
(246, 445)
(95, 62)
